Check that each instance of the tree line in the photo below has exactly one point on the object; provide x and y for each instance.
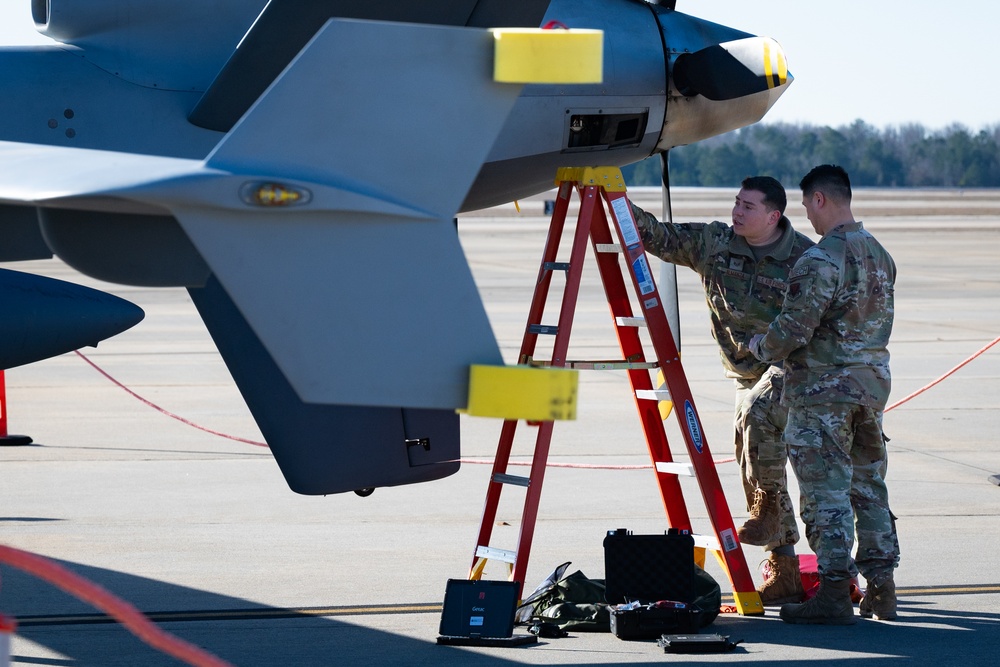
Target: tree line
(905, 156)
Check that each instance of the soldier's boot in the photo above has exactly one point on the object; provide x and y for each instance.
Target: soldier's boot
(880, 601)
(764, 521)
(784, 584)
(831, 606)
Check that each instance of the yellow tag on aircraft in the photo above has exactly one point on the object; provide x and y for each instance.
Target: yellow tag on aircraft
(538, 55)
(522, 392)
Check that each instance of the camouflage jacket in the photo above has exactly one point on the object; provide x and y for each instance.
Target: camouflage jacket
(743, 295)
(835, 323)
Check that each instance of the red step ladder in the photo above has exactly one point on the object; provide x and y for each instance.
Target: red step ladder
(598, 187)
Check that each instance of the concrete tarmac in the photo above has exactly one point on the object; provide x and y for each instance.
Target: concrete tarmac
(162, 502)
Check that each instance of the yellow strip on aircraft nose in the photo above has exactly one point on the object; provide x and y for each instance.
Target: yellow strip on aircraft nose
(782, 77)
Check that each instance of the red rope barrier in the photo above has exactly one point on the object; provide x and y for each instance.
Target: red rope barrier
(164, 411)
(122, 611)
(943, 377)
(473, 461)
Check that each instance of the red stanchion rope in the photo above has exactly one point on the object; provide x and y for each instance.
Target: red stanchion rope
(477, 461)
(122, 611)
(943, 377)
(163, 410)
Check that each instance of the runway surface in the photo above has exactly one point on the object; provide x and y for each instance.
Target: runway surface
(171, 502)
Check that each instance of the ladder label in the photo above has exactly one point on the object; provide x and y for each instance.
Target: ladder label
(728, 540)
(643, 276)
(623, 214)
(693, 428)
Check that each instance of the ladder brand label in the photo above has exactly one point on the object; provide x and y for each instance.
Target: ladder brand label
(693, 427)
(623, 215)
(643, 276)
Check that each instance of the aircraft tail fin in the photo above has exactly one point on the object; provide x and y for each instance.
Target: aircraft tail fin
(324, 449)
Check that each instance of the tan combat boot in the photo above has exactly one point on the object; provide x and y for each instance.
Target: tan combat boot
(880, 601)
(831, 606)
(784, 584)
(764, 521)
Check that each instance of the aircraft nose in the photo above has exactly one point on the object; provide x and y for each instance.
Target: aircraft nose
(43, 317)
(732, 69)
(722, 87)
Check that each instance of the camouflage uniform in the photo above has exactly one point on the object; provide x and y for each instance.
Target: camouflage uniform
(832, 334)
(744, 296)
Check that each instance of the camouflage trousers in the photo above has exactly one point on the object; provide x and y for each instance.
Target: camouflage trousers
(838, 454)
(760, 451)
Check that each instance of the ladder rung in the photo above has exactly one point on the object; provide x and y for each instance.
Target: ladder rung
(489, 553)
(653, 394)
(630, 321)
(547, 329)
(707, 542)
(555, 266)
(675, 468)
(608, 247)
(517, 480)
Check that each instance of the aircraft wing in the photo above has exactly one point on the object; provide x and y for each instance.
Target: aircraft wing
(365, 262)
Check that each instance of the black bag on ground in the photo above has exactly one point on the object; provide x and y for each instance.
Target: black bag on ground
(573, 602)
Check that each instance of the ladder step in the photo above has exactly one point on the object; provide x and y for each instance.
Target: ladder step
(517, 480)
(675, 468)
(707, 542)
(546, 329)
(653, 394)
(555, 266)
(630, 321)
(608, 247)
(489, 553)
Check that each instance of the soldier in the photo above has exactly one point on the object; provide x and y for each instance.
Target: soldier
(832, 335)
(744, 268)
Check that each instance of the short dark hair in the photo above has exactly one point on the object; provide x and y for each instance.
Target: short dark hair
(829, 179)
(773, 191)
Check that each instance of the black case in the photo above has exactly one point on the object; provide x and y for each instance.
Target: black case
(647, 569)
(696, 643)
(650, 623)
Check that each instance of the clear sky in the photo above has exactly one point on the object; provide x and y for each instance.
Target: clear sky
(886, 62)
